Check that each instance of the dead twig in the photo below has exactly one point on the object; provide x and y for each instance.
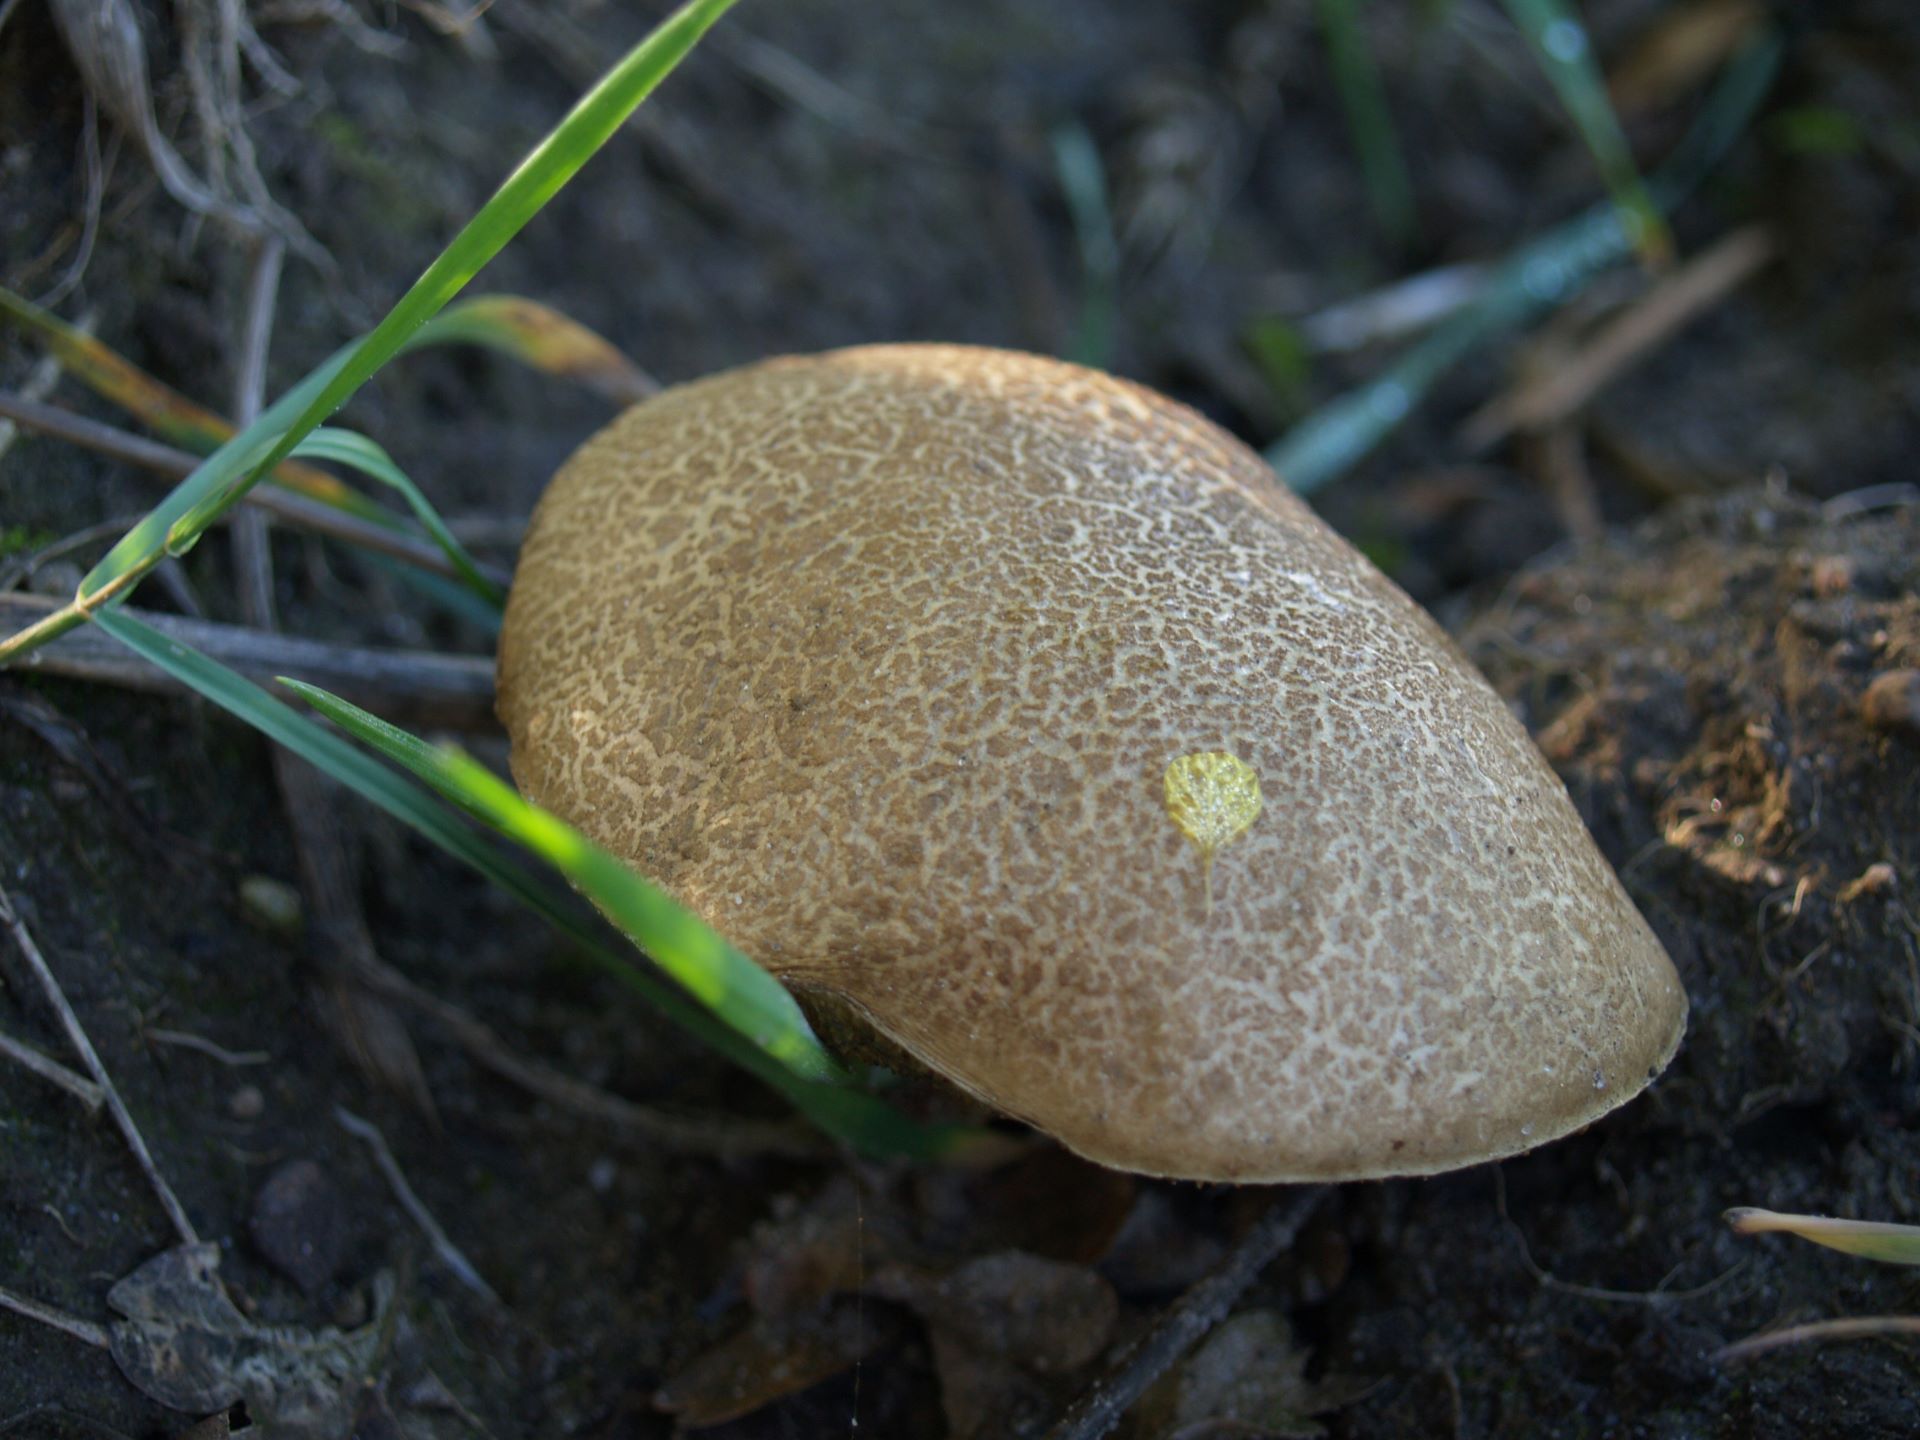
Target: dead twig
(77, 1037)
(295, 509)
(236, 1059)
(342, 945)
(39, 384)
(1675, 301)
(1857, 1327)
(706, 1135)
(252, 555)
(1204, 1305)
(27, 1058)
(1395, 310)
(70, 745)
(1558, 457)
(421, 687)
(83, 1330)
(443, 1247)
(1547, 1280)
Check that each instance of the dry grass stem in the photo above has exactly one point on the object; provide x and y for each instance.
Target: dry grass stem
(1181, 1326)
(235, 1059)
(1678, 299)
(77, 1037)
(27, 1058)
(443, 1247)
(94, 173)
(1558, 457)
(294, 509)
(39, 384)
(1659, 1295)
(1860, 1327)
(703, 1135)
(343, 949)
(83, 1330)
(421, 687)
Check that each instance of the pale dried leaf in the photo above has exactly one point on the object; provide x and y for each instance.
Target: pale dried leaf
(1044, 1315)
(1247, 1382)
(185, 1345)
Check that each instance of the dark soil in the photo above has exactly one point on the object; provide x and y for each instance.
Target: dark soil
(818, 176)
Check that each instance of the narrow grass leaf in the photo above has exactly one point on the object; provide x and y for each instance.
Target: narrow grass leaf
(763, 1027)
(861, 1119)
(448, 595)
(1083, 182)
(344, 447)
(1872, 1239)
(1565, 53)
(705, 965)
(1383, 167)
(542, 337)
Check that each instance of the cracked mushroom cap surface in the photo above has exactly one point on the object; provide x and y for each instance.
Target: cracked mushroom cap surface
(1027, 713)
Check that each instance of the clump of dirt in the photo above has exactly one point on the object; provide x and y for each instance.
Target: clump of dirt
(1701, 683)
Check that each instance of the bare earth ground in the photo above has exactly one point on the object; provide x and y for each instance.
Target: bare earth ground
(813, 178)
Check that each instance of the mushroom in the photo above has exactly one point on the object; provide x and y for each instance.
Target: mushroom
(1023, 713)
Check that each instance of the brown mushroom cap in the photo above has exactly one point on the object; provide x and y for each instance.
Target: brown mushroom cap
(879, 660)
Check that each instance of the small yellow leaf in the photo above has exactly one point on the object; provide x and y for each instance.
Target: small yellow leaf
(1213, 798)
(1873, 1239)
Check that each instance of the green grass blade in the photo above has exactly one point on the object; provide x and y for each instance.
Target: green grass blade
(171, 414)
(449, 595)
(1561, 45)
(593, 121)
(1369, 121)
(225, 473)
(862, 1120)
(1083, 182)
(1871, 1239)
(555, 160)
(704, 964)
(343, 447)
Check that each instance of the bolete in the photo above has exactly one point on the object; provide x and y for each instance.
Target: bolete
(1022, 712)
